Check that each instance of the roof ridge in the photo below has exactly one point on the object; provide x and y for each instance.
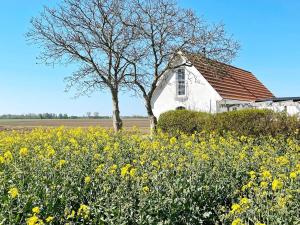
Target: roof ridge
(214, 60)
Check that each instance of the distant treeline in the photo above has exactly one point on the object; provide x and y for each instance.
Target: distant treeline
(60, 116)
(49, 116)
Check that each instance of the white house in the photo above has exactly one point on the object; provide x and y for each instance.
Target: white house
(210, 86)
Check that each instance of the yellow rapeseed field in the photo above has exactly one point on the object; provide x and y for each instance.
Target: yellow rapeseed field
(93, 176)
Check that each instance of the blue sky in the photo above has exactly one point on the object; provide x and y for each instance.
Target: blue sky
(268, 30)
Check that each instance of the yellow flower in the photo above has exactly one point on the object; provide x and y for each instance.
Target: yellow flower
(124, 170)
(263, 184)
(156, 145)
(132, 172)
(13, 192)
(155, 163)
(97, 156)
(266, 174)
(34, 220)
(51, 151)
(61, 163)
(72, 215)
(242, 155)
(243, 138)
(146, 189)
(36, 210)
(189, 144)
(23, 152)
(252, 174)
(2, 160)
(116, 146)
(74, 142)
(106, 148)
(264, 193)
(8, 156)
(293, 175)
(99, 168)
(205, 157)
(83, 211)
(235, 208)
(49, 219)
(277, 184)
(173, 140)
(248, 185)
(87, 180)
(244, 201)
(144, 177)
(282, 160)
(113, 168)
(281, 202)
(237, 221)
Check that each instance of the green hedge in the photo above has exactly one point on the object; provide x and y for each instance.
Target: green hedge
(243, 122)
(255, 122)
(185, 121)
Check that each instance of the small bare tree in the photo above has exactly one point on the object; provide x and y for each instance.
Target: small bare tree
(88, 115)
(164, 30)
(96, 115)
(90, 34)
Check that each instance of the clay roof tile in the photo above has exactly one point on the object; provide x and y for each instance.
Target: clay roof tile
(229, 81)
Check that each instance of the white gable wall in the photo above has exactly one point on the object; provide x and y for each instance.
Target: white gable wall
(200, 95)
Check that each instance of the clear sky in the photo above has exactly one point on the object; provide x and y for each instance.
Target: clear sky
(268, 30)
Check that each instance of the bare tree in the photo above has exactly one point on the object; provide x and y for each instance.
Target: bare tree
(88, 114)
(90, 34)
(164, 30)
(96, 115)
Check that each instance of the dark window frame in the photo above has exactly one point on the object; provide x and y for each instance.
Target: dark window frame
(181, 82)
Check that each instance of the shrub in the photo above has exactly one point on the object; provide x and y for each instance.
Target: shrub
(285, 124)
(185, 121)
(243, 122)
(255, 122)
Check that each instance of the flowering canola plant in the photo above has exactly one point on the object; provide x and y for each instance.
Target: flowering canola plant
(93, 176)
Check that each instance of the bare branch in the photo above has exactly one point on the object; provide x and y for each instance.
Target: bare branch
(92, 35)
(164, 30)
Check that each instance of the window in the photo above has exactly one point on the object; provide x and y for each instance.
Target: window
(180, 108)
(181, 88)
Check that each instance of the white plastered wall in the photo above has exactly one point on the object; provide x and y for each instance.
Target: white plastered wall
(200, 95)
(292, 108)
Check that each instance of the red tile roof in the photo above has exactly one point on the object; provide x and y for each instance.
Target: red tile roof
(230, 82)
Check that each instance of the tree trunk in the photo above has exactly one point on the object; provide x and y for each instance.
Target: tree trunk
(117, 121)
(152, 118)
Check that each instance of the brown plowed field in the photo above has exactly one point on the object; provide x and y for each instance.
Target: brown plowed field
(15, 124)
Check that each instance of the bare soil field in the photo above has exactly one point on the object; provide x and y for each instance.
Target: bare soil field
(17, 124)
